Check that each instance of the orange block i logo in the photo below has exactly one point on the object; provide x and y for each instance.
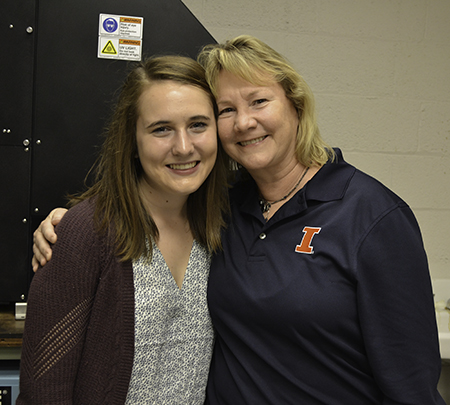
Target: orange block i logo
(305, 245)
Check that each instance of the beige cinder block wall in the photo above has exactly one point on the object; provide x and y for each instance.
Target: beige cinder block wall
(380, 71)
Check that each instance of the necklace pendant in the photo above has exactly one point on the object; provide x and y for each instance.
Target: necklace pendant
(265, 206)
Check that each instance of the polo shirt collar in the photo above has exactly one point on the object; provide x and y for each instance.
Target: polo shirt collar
(328, 184)
(331, 181)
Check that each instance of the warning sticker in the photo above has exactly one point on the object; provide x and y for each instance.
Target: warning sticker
(120, 37)
(131, 27)
(109, 49)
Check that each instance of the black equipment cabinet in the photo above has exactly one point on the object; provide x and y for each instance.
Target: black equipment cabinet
(55, 98)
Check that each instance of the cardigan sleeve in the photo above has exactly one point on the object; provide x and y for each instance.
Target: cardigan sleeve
(396, 307)
(58, 311)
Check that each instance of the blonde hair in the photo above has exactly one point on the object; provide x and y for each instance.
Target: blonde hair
(256, 62)
(116, 191)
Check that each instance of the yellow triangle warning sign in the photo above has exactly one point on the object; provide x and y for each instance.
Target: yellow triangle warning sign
(109, 49)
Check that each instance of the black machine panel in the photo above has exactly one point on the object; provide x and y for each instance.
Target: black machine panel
(56, 96)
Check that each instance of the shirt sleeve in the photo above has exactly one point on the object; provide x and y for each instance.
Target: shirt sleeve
(396, 310)
(58, 311)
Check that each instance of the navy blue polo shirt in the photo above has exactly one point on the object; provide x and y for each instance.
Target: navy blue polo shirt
(329, 302)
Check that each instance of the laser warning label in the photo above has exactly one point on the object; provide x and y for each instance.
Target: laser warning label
(109, 49)
(120, 37)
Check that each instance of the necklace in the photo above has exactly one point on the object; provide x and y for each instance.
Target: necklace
(265, 205)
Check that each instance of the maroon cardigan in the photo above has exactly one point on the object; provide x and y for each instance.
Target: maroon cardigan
(78, 343)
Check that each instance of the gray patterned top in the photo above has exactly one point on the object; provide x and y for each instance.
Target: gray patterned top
(173, 332)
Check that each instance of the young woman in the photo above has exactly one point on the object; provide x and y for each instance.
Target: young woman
(119, 315)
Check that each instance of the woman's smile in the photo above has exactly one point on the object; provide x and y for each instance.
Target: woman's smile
(252, 141)
(183, 166)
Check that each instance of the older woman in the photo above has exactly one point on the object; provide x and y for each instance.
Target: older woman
(322, 293)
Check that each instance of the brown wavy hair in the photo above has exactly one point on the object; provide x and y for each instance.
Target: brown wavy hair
(116, 192)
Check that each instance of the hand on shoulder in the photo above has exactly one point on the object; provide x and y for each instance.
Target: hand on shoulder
(45, 235)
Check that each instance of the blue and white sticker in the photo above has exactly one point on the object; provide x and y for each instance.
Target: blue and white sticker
(120, 37)
(110, 25)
